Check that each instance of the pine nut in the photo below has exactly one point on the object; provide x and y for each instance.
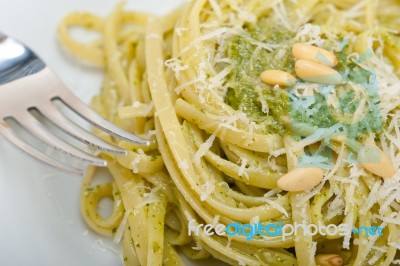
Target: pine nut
(328, 260)
(300, 179)
(278, 77)
(375, 161)
(314, 53)
(316, 73)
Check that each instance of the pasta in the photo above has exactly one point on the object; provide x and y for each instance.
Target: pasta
(223, 138)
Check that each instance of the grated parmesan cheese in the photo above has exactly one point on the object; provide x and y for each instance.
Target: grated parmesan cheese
(135, 164)
(215, 220)
(207, 189)
(180, 30)
(255, 220)
(204, 148)
(313, 250)
(228, 243)
(356, 10)
(309, 34)
(359, 241)
(198, 246)
(276, 206)
(347, 236)
(121, 227)
(372, 199)
(215, 7)
(176, 66)
(242, 167)
(280, 11)
(335, 207)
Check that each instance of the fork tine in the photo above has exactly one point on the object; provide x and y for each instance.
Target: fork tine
(31, 124)
(50, 112)
(81, 109)
(9, 134)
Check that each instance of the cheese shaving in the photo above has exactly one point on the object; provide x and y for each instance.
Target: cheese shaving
(204, 148)
(276, 206)
(207, 189)
(242, 167)
(371, 200)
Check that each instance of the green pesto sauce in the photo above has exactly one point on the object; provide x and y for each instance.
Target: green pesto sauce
(321, 118)
(319, 114)
(245, 78)
(245, 86)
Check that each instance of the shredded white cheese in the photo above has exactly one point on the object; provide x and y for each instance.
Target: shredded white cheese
(276, 206)
(313, 250)
(215, 7)
(198, 246)
(180, 30)
(255, 220)
(347, 237)
(204, 148)
(280, 11)
(242, 167)
(215, 220)
(207, 189)
(371, 200)
(176, 66)
(120, 231)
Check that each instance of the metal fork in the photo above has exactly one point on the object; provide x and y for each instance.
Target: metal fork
(26, 85)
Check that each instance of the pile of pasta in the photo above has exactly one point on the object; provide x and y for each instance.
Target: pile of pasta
(165, 79)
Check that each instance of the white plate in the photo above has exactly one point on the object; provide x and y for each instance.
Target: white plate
(40, 222)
